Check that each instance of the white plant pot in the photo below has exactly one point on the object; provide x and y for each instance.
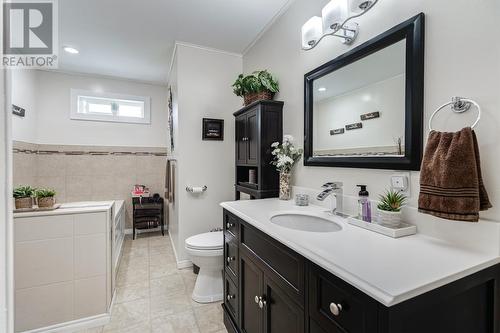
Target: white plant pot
(393, 219)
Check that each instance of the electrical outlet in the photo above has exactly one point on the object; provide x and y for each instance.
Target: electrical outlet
(400, 183)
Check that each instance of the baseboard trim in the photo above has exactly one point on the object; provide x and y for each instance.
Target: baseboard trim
(142, 231)
(75, 325)
(184, 264)
(180, 264)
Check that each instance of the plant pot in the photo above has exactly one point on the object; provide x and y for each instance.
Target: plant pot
(23, 203)
(392, 219)
(263, 95)
(46, 202)
(285, 188)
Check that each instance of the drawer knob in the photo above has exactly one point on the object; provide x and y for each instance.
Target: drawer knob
(335, 309)
(229, 259)
(229, 225)
(257, 299)
(230, 297)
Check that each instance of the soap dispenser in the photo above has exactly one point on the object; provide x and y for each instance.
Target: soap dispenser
(364, 205)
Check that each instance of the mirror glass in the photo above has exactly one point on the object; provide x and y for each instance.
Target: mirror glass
(359, 109)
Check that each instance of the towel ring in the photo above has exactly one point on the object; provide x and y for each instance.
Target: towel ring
(458, 105)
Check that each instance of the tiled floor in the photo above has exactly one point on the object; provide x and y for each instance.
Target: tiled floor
(152, 295)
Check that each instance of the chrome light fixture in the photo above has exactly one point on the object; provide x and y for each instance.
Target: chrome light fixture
(335, 21)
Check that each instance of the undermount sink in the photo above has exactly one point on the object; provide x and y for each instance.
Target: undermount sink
(305, 222)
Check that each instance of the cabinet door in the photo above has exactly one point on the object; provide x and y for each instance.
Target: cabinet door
(281, 313)
(251, 315)
(241, 143)
(252, 138)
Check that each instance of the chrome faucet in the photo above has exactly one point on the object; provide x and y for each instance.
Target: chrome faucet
(334, 189)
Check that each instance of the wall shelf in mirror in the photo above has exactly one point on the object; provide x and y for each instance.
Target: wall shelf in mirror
(364, 109)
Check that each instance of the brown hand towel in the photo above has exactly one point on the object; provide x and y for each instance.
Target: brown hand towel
(451, 185)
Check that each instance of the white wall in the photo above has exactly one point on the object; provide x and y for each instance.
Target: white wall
(458, 61)
(24, 95)
(6, 224)
(203, 89)
(386, 97)
(54, 125)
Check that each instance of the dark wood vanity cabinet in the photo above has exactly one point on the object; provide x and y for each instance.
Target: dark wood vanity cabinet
(258, 125)
(272, 289)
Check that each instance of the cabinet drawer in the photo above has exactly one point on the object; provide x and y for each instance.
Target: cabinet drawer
(231, 224)
(286, 265)
(231, 256)
(337, 306)
(231, 297)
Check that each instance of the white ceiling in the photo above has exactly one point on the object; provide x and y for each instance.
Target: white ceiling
(134, 39)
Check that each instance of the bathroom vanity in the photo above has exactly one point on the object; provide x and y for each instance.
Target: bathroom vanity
(64, 266)
(280, 278)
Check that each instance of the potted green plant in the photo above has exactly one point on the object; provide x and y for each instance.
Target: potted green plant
(389, 208)
(285, 156)
(260, 85)
(45, 197)
(23, 196)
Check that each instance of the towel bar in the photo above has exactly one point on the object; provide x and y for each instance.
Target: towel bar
(458, 105)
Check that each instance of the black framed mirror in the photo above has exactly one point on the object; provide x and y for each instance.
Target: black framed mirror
(364, 109)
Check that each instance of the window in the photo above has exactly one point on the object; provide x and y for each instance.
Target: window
(88, 105)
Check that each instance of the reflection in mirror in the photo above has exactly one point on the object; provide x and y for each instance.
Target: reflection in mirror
(359, 109)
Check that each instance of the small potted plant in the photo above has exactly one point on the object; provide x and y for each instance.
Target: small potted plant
(389, 208)
(23, 196)
(45, 197)
(260, 85)
(285, 157)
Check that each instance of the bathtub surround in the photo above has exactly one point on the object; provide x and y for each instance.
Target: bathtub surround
(85, 173)
(450, 69)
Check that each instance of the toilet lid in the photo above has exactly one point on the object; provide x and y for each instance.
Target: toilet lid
(206, 241)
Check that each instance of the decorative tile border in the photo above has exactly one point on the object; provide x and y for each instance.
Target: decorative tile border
(21, 148)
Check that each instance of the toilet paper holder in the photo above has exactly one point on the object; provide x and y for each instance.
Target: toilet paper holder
(194, 189)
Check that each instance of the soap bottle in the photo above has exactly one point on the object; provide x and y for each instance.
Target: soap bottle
(364, 205)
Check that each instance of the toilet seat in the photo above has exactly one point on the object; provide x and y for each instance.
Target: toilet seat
(207, 241)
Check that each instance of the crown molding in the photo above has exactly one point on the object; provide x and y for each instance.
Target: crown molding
(280, 13)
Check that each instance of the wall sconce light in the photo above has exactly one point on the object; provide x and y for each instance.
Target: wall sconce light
(335, 21)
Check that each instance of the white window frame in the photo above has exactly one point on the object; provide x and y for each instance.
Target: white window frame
(74, 115)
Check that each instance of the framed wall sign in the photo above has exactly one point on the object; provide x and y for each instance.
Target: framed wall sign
(18, 111)
(213, 129)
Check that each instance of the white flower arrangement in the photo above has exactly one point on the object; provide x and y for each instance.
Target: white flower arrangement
(285, 154)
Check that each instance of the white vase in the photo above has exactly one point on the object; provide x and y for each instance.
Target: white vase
(392, 219)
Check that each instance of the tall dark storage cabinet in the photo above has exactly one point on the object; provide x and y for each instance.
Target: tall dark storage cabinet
(258, 125)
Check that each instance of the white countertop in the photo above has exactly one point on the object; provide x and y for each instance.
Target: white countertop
(389, 270)
(70, 208)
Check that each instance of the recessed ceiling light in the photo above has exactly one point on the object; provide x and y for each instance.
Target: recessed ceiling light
(322, 89)
(71, 50)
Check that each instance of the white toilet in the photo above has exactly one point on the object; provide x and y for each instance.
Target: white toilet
(206, 251)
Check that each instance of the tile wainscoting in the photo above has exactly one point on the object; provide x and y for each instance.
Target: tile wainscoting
(83, 173)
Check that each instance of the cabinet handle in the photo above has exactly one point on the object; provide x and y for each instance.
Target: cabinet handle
(257, 299)
(335, 309)
(229, 225)
(262, 302)
(230, 297)
(229, 259)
